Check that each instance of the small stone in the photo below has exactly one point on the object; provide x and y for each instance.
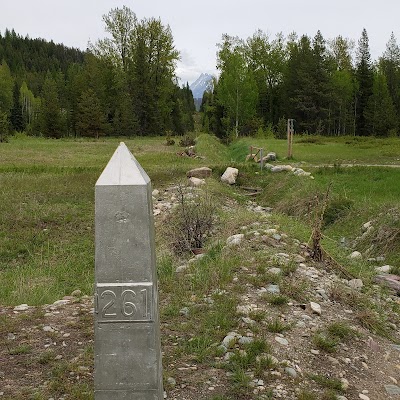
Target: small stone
(333, 360)
(392, 389)
(66, 335)
(61, 303)
(229, 341)
(274, 289)
(315, 308)
(345, 383)
(182, 268)
(291, 372)
(11, 336)
(248, 321)
(196, 182)
(48, 329)
(384, 269)
(394, 380)
(363, 397)
(356, 284)
(155, 193)
(21, 307)
(274, 271)
(184, 311)
(246, 340)
(355, 255)
(315, 352)
(171, 381)
(235, 240)
(299, 259)
(281, 341)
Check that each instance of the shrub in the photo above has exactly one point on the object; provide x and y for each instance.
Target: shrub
(187, 140)
(192, 221)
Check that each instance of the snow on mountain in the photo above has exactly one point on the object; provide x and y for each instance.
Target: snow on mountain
(204, 82)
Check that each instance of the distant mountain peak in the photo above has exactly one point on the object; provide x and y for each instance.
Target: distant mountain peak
(203, 83)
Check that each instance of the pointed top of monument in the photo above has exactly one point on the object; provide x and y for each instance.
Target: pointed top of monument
(123, 169)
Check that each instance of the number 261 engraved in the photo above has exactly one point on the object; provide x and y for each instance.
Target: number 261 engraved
(129, 304)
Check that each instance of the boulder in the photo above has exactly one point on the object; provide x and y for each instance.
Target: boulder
(356, 284)
(271, 156)
(201, 173)
(282, 168)
(390, 280)
(195, 182)
(230, 175)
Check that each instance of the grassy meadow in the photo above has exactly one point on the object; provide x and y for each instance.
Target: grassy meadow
(47, 198)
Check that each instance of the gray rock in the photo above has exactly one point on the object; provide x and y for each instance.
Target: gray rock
(356, 284)
(182, 268)
(21, 307)
(355, 255)
(155, 193)
(201, 173)
(171, 381)
(384, 269)
(196, 182)
(60, 303)
(282, 168)
(274, 289)
(235, 240)
(184, 311)
(392, 389)
(281, 341)
(229, 341)
(299, 259)
(315, 308)
(345, 383)
(275, 271)
(291, 372)
(230, 175)
(245, 340)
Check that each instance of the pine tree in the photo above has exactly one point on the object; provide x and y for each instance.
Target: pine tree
(90, 120)
(6, 89)
(365, 80)
(16, 112)
(389, 64)
(380, 115)
(51, 121)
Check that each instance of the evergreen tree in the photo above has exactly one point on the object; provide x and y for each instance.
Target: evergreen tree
(16, 112)
(389, 64)
(4, 128)
(6, 89)
(90, 120)
(380, 115)
(365, 79)
(51, 121)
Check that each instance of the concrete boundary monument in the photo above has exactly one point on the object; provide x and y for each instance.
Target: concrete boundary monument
(127, 349)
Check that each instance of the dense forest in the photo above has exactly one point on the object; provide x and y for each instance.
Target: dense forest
(125, 84)
(329, 87)
(122, 85)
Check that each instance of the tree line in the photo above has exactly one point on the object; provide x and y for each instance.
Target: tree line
(124, 84)
(321, 84)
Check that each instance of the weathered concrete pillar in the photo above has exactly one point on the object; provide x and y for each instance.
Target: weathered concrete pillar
(127, 331)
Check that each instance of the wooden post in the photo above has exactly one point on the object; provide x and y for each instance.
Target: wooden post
(290, 133)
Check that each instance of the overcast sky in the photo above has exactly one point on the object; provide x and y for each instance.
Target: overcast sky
(197, 26)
